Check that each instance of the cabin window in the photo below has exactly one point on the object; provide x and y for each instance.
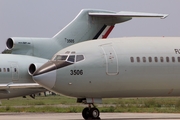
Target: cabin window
(155, 59)
(15, 70)
(71, 58)
(0, 69)
(150, 59)
(144, 59)
(161, 59)
(178, 59)
(79, 58)
(138, 59)
(167, 59)
(8, 70)
(132, 59)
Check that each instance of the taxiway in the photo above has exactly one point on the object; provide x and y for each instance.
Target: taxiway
(77, 116)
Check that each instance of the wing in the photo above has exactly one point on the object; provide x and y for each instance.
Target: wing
(19, 85)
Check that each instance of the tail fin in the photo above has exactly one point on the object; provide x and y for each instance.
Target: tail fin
(94, 24)
(87, 25)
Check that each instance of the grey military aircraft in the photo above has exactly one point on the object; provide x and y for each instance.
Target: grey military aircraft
(113, 68)
(15, 80)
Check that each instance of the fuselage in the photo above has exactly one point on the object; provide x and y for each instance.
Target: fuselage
(123, 67)
(14, 77)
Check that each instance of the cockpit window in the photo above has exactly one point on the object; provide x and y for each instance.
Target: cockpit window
(71, 58)
(79, 58)
(60, 57)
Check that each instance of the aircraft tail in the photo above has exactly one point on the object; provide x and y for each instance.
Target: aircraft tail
(87, 25)
(95, 24)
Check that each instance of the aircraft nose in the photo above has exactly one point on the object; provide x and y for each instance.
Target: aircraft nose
(46, 75)
(47, 67)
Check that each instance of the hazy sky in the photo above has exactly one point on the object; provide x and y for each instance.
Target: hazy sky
(44, 18)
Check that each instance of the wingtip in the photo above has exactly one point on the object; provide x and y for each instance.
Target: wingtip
(164, 16)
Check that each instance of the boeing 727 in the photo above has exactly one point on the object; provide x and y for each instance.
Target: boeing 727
(113, 68)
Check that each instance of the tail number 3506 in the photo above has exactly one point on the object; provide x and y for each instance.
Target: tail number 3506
(76, 72)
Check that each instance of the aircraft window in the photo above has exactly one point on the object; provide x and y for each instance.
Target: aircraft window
(178, 59)
(150, 59)
(79, 58)
(71, 58)
(161, 59)
(132, 59)
(155, 59)
(173, 59)
(138, 59)
(60, 57)
(67, 52)
(15, 70)
(0, 69)
(4, 69)
(144, 59)
(73, 52)
(8, 70)
(167, 59)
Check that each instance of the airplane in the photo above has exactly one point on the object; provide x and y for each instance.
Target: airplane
(114, 68)
(21, 52)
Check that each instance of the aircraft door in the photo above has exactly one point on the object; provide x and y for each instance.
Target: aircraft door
(15, 71)
(111, 59)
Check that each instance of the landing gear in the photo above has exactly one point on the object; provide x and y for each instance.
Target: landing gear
(90, 113)
(86, 113)
(94, 113)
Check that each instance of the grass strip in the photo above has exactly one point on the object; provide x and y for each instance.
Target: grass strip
(63, 104)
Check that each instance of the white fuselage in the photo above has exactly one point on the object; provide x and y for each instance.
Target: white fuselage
(123, 67)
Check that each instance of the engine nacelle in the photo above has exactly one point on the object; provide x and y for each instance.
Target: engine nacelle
(33, 67)
(23, 46)
(38, 47)
(19, 43)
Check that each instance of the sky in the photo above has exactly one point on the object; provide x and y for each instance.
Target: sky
(44, 18)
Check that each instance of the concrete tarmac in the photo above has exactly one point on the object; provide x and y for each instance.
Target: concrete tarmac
(78, 116)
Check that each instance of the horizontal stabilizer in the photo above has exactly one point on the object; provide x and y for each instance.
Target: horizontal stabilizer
(128, 14)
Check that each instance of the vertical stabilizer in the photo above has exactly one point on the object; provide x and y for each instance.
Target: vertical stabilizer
(86, 27)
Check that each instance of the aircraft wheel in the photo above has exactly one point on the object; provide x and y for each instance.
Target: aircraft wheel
(94, 112)
(86, 113)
